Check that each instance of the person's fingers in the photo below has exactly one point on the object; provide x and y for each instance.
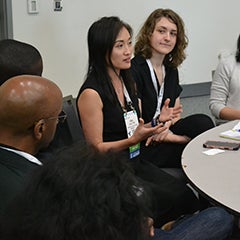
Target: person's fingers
(167, 101)
(149, 140)
(141, 121)
(151, 228)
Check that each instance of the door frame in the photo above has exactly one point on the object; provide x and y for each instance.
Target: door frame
(6, 26)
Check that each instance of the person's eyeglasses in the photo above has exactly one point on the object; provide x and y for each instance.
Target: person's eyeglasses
(61, 117)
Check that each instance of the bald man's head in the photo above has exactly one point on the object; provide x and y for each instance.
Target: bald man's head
(24, 101)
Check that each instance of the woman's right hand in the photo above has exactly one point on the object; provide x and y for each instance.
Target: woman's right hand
(144, 131)
(166, 112)
(169, 113)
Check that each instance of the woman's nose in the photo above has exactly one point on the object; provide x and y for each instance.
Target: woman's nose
(128, 50)
(167, 36)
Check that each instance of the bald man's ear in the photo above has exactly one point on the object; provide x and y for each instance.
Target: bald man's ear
(39, 129)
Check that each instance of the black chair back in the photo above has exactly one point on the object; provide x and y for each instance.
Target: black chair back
(67, 133)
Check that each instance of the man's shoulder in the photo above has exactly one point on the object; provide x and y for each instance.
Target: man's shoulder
(15, 171)
(11, 161)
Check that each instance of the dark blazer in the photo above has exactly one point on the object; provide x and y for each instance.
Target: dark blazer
(14, 171)
(146, 90)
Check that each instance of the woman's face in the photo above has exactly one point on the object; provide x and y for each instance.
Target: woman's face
(164, 36)
(122, 51)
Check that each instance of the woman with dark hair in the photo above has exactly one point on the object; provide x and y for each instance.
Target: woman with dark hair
(159, 51)
(109, 113)
(86, 195)
(225, 98)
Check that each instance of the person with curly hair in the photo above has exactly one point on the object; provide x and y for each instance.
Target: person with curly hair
(111, 121)
(159, 51)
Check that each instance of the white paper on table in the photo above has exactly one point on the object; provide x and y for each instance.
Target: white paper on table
(213, 151)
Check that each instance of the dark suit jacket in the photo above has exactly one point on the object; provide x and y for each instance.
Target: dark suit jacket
(146, 90)
(14, 171)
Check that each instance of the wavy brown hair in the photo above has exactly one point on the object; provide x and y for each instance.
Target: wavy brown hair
(143, 47)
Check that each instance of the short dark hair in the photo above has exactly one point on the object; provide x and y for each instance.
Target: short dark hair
(83, 195)
(18, 58)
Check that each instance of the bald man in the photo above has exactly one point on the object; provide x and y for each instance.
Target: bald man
(29, 113)
(20, 58)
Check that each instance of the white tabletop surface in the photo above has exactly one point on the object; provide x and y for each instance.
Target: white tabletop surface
(217, 176)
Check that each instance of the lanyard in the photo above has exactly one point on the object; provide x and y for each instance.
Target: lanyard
(131, 122)
(127, 97)
(159, 93)
(125, 92)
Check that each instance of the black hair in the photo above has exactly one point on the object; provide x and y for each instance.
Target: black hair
(101, 38)
(83, 195)
(18, 58)
(238, 50)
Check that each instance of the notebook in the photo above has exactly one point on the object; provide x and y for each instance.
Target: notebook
(233, 133)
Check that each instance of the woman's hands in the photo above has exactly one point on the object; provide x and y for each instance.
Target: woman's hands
(159, 137)
(144, 131)
(171, 137)
(170, 113)
(167, 136)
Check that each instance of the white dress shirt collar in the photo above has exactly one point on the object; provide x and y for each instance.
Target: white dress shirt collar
(28, 156)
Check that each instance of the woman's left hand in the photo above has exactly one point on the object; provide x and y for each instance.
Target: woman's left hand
(160, 136)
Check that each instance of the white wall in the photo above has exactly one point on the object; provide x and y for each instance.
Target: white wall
(212, 26)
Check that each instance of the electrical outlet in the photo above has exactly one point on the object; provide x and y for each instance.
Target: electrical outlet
(33, 6)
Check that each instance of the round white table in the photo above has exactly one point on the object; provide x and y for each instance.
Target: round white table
(216, 177)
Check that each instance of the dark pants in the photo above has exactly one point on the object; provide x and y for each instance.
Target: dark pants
(168, 155)
(171, 198)
(211, 224)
